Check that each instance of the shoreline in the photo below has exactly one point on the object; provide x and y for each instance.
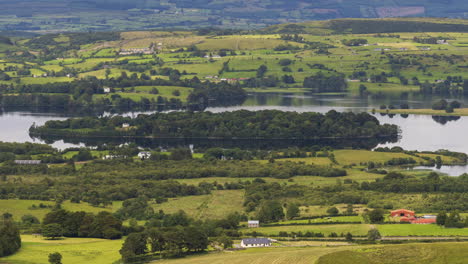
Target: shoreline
(456, 112)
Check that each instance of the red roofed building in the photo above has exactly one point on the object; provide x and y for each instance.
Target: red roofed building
(424, 221)
(407, 219)
(402, 213)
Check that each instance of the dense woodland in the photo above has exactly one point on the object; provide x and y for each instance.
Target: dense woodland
(229, 125)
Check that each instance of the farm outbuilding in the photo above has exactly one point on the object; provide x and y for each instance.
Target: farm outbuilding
(27, 162)
(253, 223)
(402, 213)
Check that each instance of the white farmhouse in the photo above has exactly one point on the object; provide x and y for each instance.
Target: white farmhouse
(255, 242)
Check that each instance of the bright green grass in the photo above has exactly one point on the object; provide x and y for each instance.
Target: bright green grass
(325, 220)
(35, 250)
(437, 253)
(355, 229)
(23, 207)
(216, 205)
(420, 230)
(94, 153)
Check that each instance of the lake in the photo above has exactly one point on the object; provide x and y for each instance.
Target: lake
(417, 132)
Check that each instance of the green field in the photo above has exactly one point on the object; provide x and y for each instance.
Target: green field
(355, 229)
(18, 208)
(420, 230)
(438, 253)
(441, 253)
(35, 250)
(212, 206)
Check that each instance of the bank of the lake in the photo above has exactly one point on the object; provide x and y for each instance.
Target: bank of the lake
(456, 112)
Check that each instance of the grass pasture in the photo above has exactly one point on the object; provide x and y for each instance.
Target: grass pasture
(18, 208)
(436, 253)
(420, 230)
(212, 206)
(35, 250)
(285, 255)
(355, 229)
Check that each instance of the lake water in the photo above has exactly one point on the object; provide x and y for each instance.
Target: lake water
(449, 170)
(417, 132)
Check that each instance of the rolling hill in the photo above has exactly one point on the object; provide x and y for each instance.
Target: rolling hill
(106, 15)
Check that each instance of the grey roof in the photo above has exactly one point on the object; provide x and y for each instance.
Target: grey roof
(256, 241)
(28, 162)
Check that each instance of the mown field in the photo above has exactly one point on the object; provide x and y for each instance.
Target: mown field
(35, 250)
(437, 253)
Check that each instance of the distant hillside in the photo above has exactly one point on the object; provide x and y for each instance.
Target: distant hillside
(106, 15)
(368, 26)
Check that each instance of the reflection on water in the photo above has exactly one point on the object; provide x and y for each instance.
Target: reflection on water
(445, 119)
(417, 132)
(456, 170)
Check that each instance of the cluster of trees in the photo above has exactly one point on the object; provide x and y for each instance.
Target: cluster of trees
(354, 42)
(60, 222)
(444, 105)
(452, 219)
(428, 40)
(173, 242)
(82, 91)
(326, 83)
(400, 183)
(267, 124)
(10, 240)
(180, 237)
(453, 85)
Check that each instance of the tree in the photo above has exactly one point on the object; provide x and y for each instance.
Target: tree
(10, 240)
(441, 218)
(270, 211)
(292, 210)
(261, 71)
(225, 241)
(376, 216)
(373, 234)
(52, 231)
(349, 209)
(134, 245)
(55, 258)
(195, 239)
(29, 219)
(349, 237)
(333, 211)
(155, 239)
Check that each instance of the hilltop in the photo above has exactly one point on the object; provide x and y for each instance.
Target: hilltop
(106, 15)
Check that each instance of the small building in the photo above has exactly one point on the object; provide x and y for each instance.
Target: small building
(107, 89)
(111, 157)
(144, 155)
(253, 223)
(255, 242)
(125, 125)
(402, 213)
(27, 162)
